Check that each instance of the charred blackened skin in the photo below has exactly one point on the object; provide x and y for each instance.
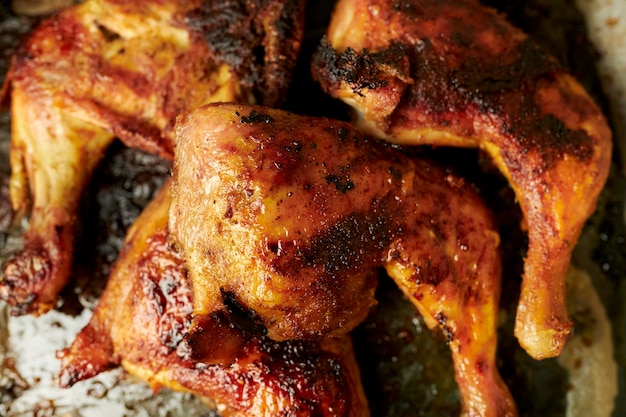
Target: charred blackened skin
(259, 38)
(241, 37)
(360, 70)
(317, 255)
(231, 33)
(487, 84)
(34, 267)
(342, 247)
(508, 73)
(342, 183)
(256, 117)
(162, 286)
(447, 331)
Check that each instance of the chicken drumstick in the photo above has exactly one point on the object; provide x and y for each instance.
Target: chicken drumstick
(106, 69)
(291, 216)
(143, 315)
(455, 73)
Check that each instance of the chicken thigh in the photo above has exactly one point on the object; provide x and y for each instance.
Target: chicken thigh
(291, 217)
(110, 68)
(142, 318)
(455, 73)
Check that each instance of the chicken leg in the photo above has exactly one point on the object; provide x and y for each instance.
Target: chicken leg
(142, 318)
(455, 73)
(106, 69)
(290, 215)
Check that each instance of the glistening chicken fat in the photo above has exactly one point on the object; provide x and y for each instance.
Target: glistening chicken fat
(455, 73)
(293, 215)
(106, 69)
(142, 318)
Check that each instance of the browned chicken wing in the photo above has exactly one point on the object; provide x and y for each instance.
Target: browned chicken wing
(291, 216)
(455, 73)
(110, 68)
(143, 316)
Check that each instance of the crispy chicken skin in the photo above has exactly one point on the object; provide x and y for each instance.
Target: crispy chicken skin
(292, 216)
(454, 73)
(111, 68)
(143, 316)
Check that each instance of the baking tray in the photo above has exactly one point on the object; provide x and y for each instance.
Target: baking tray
(406, 369)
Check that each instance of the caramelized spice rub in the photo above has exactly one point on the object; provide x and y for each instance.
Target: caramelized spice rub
(455, 73)
(312, 214)
(108, 68)
(141, 324)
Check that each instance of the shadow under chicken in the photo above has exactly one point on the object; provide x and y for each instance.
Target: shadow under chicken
(293, 216)
(106, 69)
(455, 73)
(143, 316)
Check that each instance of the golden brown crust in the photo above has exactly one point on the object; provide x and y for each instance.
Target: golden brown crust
(109, 68)
(142, 319)
(455, 73)
(293, 216)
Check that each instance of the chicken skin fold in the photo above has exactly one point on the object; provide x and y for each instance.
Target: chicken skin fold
(455, 73)
(143, 316)
(292, 216)
(110, 68)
